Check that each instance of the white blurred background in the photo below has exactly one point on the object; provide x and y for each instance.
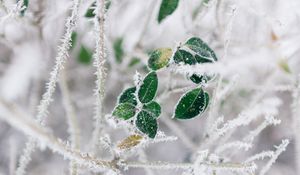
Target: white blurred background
(257, 40)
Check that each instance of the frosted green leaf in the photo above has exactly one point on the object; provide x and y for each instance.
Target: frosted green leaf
(182, 56)
(206, 95)
(90, 12)
(118, 49)
(203, 51)
(201, 78)
(124, 111)
(148, 88)
(167, 7)
(191, 104)
(146, 124)
(153, 108)
(128, 96)
(159, 58)
(85, 55)
(25, 5)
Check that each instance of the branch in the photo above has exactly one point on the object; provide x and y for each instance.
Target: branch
(15, 117)
(99, 62)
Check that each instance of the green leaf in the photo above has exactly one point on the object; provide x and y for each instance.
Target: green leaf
(90, 12)
(153, 108)
(146, 124)
(134, 61)
(283, 64)
(203, 54)
(118, 49)
(159, 58)
(128, 96)
(182, 56)
(107, 5)
(148, 88)
(73, 39)
(167, 7)
(25, 5)
(124, 111)
(203, 51)
(206, 95)
(85, 55)
(201, 78)
(191, 104)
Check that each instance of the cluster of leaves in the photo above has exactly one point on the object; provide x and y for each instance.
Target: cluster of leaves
(137, 103)
(147, 112)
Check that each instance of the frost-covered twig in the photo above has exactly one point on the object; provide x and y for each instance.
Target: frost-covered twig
(15, 117)
(180, 133)
(61, 57)
(99, 61)
(269, 120)
(237, 144)
(296, 121)
(234, 167)
(267, 107)
(71, 118)
(279, 149)
(273, 155)
(260, 156)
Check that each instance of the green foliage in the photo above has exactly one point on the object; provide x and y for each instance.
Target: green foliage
(128, 96)
(184, 57)
(159, 58)
(146, 124)
(134, 61)
(25, 5)
(206, 95)
(148, 88)
(90, 12)
(167, 7)
(85, 55)
(191, 104)
(118, 49)
(73, 39)
(203, 51)
(124, 111)
(153, 108)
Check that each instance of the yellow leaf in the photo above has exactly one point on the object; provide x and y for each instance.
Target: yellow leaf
(130, 142)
